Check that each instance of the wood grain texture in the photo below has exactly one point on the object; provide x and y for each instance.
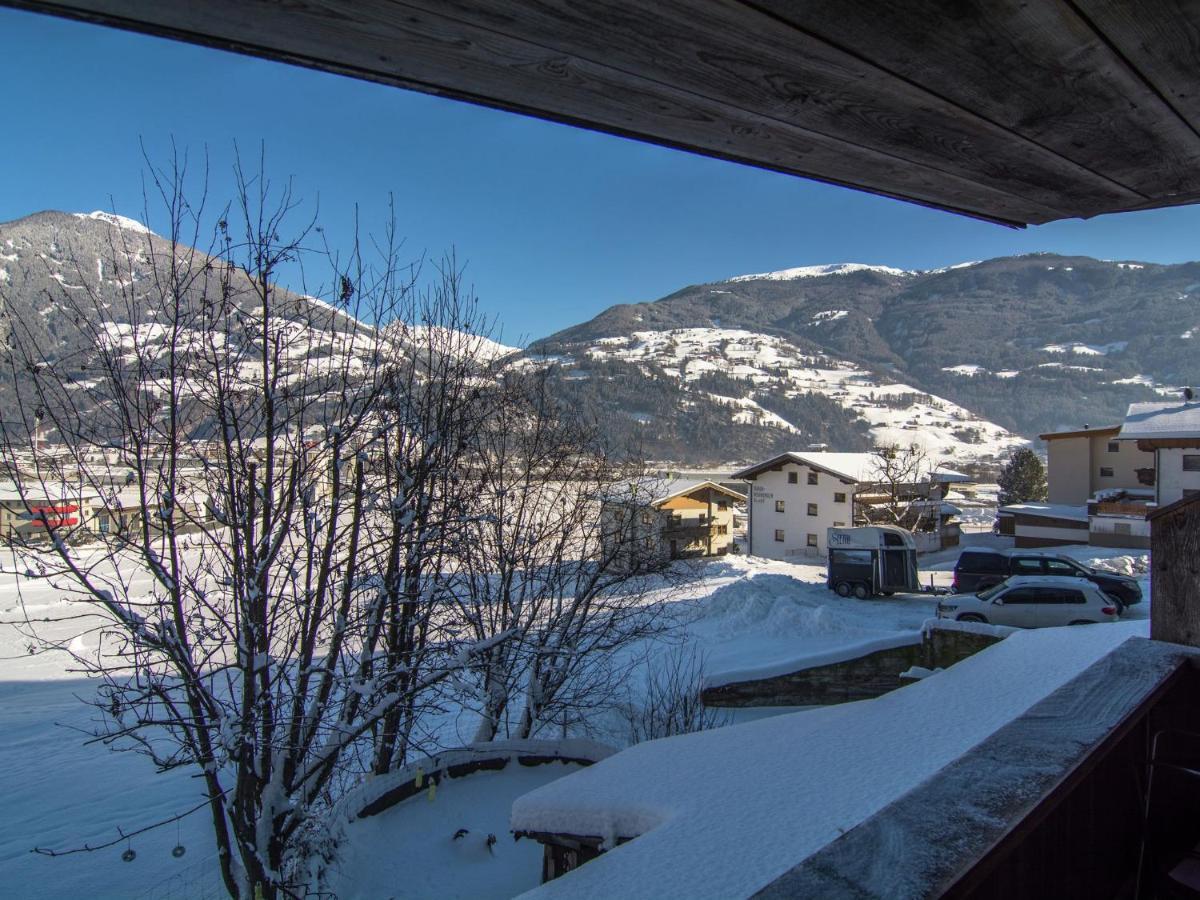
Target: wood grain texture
(1040, 70)
(1175, 574)
(1012, 112)
(1161, 41)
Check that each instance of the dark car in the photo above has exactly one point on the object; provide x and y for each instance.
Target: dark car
(978, 569)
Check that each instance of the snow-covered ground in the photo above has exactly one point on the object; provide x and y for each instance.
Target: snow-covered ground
(897, 413)
(741, 615)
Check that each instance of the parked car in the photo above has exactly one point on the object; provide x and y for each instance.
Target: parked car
(979, 568)
(1033, 601)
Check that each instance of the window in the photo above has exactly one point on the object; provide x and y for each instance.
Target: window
(645, 518)
(1106, 472)
(982, 563)
(1191, 462)
(1061, 567)
(839, 498)
(1114, 446)
(1191, 492)
(1121, 528)
(1022, 595)
(793, 477)
(722, 504)
(649, 542)
(839, 524)
(1070, 595)
(779, 535)
(812, 509)
(1026, 565)
(722, 529)
(812, 540)
(812, 477)
(778, 506)
(850, 558)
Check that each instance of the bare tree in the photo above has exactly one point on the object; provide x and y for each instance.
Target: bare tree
(267, 484)
(900, 489)
(668, 699)
(545, 567)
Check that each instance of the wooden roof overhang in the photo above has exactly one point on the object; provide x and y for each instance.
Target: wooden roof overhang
(1004, 110)
(1111, 431)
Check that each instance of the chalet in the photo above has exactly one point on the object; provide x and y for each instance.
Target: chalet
(796, 497)
(1085, 462)
(670, 518)
(1099, 490)
(1170, 431)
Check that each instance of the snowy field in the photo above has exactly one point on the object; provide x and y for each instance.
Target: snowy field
(741, 616)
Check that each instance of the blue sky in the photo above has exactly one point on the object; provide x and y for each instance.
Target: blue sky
(555, 223)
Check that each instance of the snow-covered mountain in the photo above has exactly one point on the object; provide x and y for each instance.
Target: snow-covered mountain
(968, 360)
(77, 286)
(820, 272)
(1022, 344)
(769, 383)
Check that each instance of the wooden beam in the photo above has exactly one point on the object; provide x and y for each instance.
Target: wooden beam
(1039, 70)
(734, 54)
(1160, 41)
(1007, 111)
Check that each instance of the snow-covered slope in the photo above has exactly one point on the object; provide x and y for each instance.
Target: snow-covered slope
(897, 413)
(819, 272)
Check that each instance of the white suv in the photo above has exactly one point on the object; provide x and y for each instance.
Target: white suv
(1033, 601)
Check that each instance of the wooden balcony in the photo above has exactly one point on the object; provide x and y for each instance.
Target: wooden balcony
(1054, 804)
(1120, 508)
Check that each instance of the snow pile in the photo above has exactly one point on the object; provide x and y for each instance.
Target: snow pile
(965, 369)
(115, 220)
(819, 272)
(755, 618)
(1131, 565)
(723, 813)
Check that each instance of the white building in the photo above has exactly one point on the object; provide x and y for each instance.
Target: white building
(794, 498)
(1172, 431)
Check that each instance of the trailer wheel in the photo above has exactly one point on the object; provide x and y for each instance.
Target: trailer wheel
(842, 589)
(861, 592)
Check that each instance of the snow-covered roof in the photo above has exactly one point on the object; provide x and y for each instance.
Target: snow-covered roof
(949, 476)
(863, 467)
(35, 493)
(1158, 419)
(723, 813)
(658, 490)
(1085, 431)
(1048, 511)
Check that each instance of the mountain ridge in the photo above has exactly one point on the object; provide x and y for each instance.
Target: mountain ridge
(974, 358)
(1031, 342)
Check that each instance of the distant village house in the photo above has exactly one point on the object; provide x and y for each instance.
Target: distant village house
(670, 519)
